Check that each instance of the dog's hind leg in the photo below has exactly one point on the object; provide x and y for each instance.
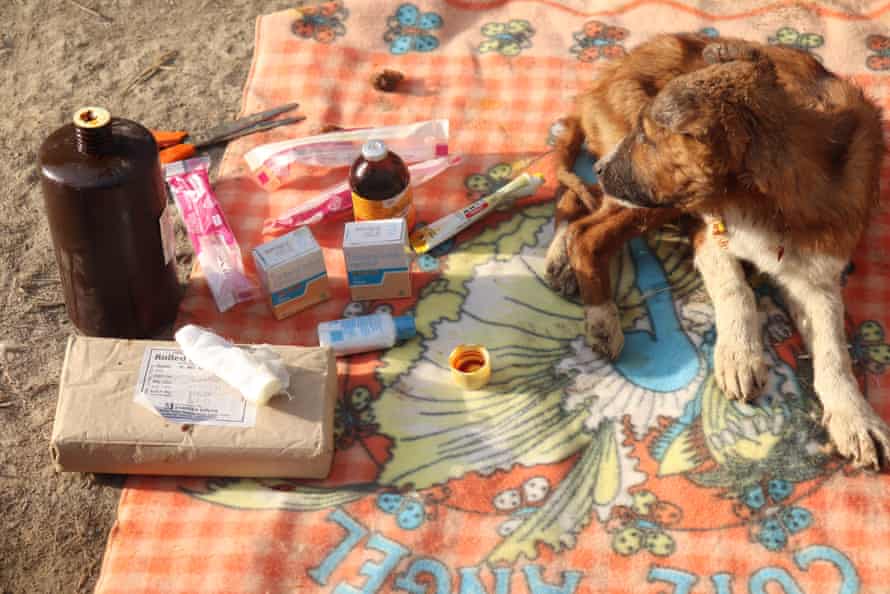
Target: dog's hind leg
(560, 272)
(573, 201)
(854, 427)
(592, 241)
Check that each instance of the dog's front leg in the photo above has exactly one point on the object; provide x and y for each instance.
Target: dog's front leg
(856, 430)
(739, 365)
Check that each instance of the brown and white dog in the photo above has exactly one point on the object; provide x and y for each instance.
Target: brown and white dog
(776, 159)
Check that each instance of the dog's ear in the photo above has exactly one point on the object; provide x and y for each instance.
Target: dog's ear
(744, 88)
(739, 77)
(677, 111)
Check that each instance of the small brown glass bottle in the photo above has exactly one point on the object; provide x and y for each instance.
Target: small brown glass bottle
(111, 229)
(381, 185)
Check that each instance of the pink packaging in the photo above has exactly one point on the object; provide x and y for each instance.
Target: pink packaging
(209, 233)
(338, 199)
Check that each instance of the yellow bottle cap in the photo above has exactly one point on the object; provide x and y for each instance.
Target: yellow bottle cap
(91, 117)
(470, 366)
(418, 240)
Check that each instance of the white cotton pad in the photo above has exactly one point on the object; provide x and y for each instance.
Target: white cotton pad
(258, 375)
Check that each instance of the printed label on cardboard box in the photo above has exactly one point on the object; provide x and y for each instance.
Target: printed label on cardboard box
(172, 386)
(374, 232)
(284, 249)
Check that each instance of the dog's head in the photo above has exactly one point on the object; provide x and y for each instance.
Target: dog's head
(691, 143)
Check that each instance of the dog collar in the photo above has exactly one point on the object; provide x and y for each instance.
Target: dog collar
(718, 230)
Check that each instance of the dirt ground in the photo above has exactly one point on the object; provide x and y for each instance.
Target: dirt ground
(55, 57)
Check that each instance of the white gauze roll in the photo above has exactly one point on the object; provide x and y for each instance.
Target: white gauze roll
(258, 376)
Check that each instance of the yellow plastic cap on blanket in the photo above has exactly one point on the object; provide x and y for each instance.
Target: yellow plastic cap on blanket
(470, 366)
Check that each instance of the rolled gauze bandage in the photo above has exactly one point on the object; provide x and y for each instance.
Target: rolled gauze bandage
(258, 375)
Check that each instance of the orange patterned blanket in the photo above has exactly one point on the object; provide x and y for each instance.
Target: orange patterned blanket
(568, 473)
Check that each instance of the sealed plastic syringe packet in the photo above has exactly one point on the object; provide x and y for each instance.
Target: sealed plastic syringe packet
(277, 164)
(212, 239)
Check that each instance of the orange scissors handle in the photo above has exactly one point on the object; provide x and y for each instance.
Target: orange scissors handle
(173, 148)
(176, 152)
(168, 138)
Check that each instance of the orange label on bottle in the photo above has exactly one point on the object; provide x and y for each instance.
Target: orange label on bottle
(391, 208)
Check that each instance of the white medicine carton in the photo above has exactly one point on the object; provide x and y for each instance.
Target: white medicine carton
(292, 271)
(378, 260)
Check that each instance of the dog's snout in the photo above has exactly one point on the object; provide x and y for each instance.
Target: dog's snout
(616, 176)
(599, 167)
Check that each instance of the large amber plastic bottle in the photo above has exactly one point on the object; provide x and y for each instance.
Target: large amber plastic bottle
(381, 185)
(111, 229)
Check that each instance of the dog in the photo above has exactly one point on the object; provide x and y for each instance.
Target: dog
(777, 162)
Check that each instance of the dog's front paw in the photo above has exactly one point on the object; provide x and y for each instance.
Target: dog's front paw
(560, 274)
(739, 371)
(858, 434)
(603, 329)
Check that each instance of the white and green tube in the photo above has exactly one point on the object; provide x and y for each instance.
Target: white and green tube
(425, 239)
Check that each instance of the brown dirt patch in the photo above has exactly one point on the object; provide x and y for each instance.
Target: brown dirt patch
(56, 58)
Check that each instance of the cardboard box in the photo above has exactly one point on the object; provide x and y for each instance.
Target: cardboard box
(99, 427)
(378, 261)
(291, 269)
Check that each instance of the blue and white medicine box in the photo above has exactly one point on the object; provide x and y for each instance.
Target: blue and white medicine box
(378, 260)
(292, 271)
